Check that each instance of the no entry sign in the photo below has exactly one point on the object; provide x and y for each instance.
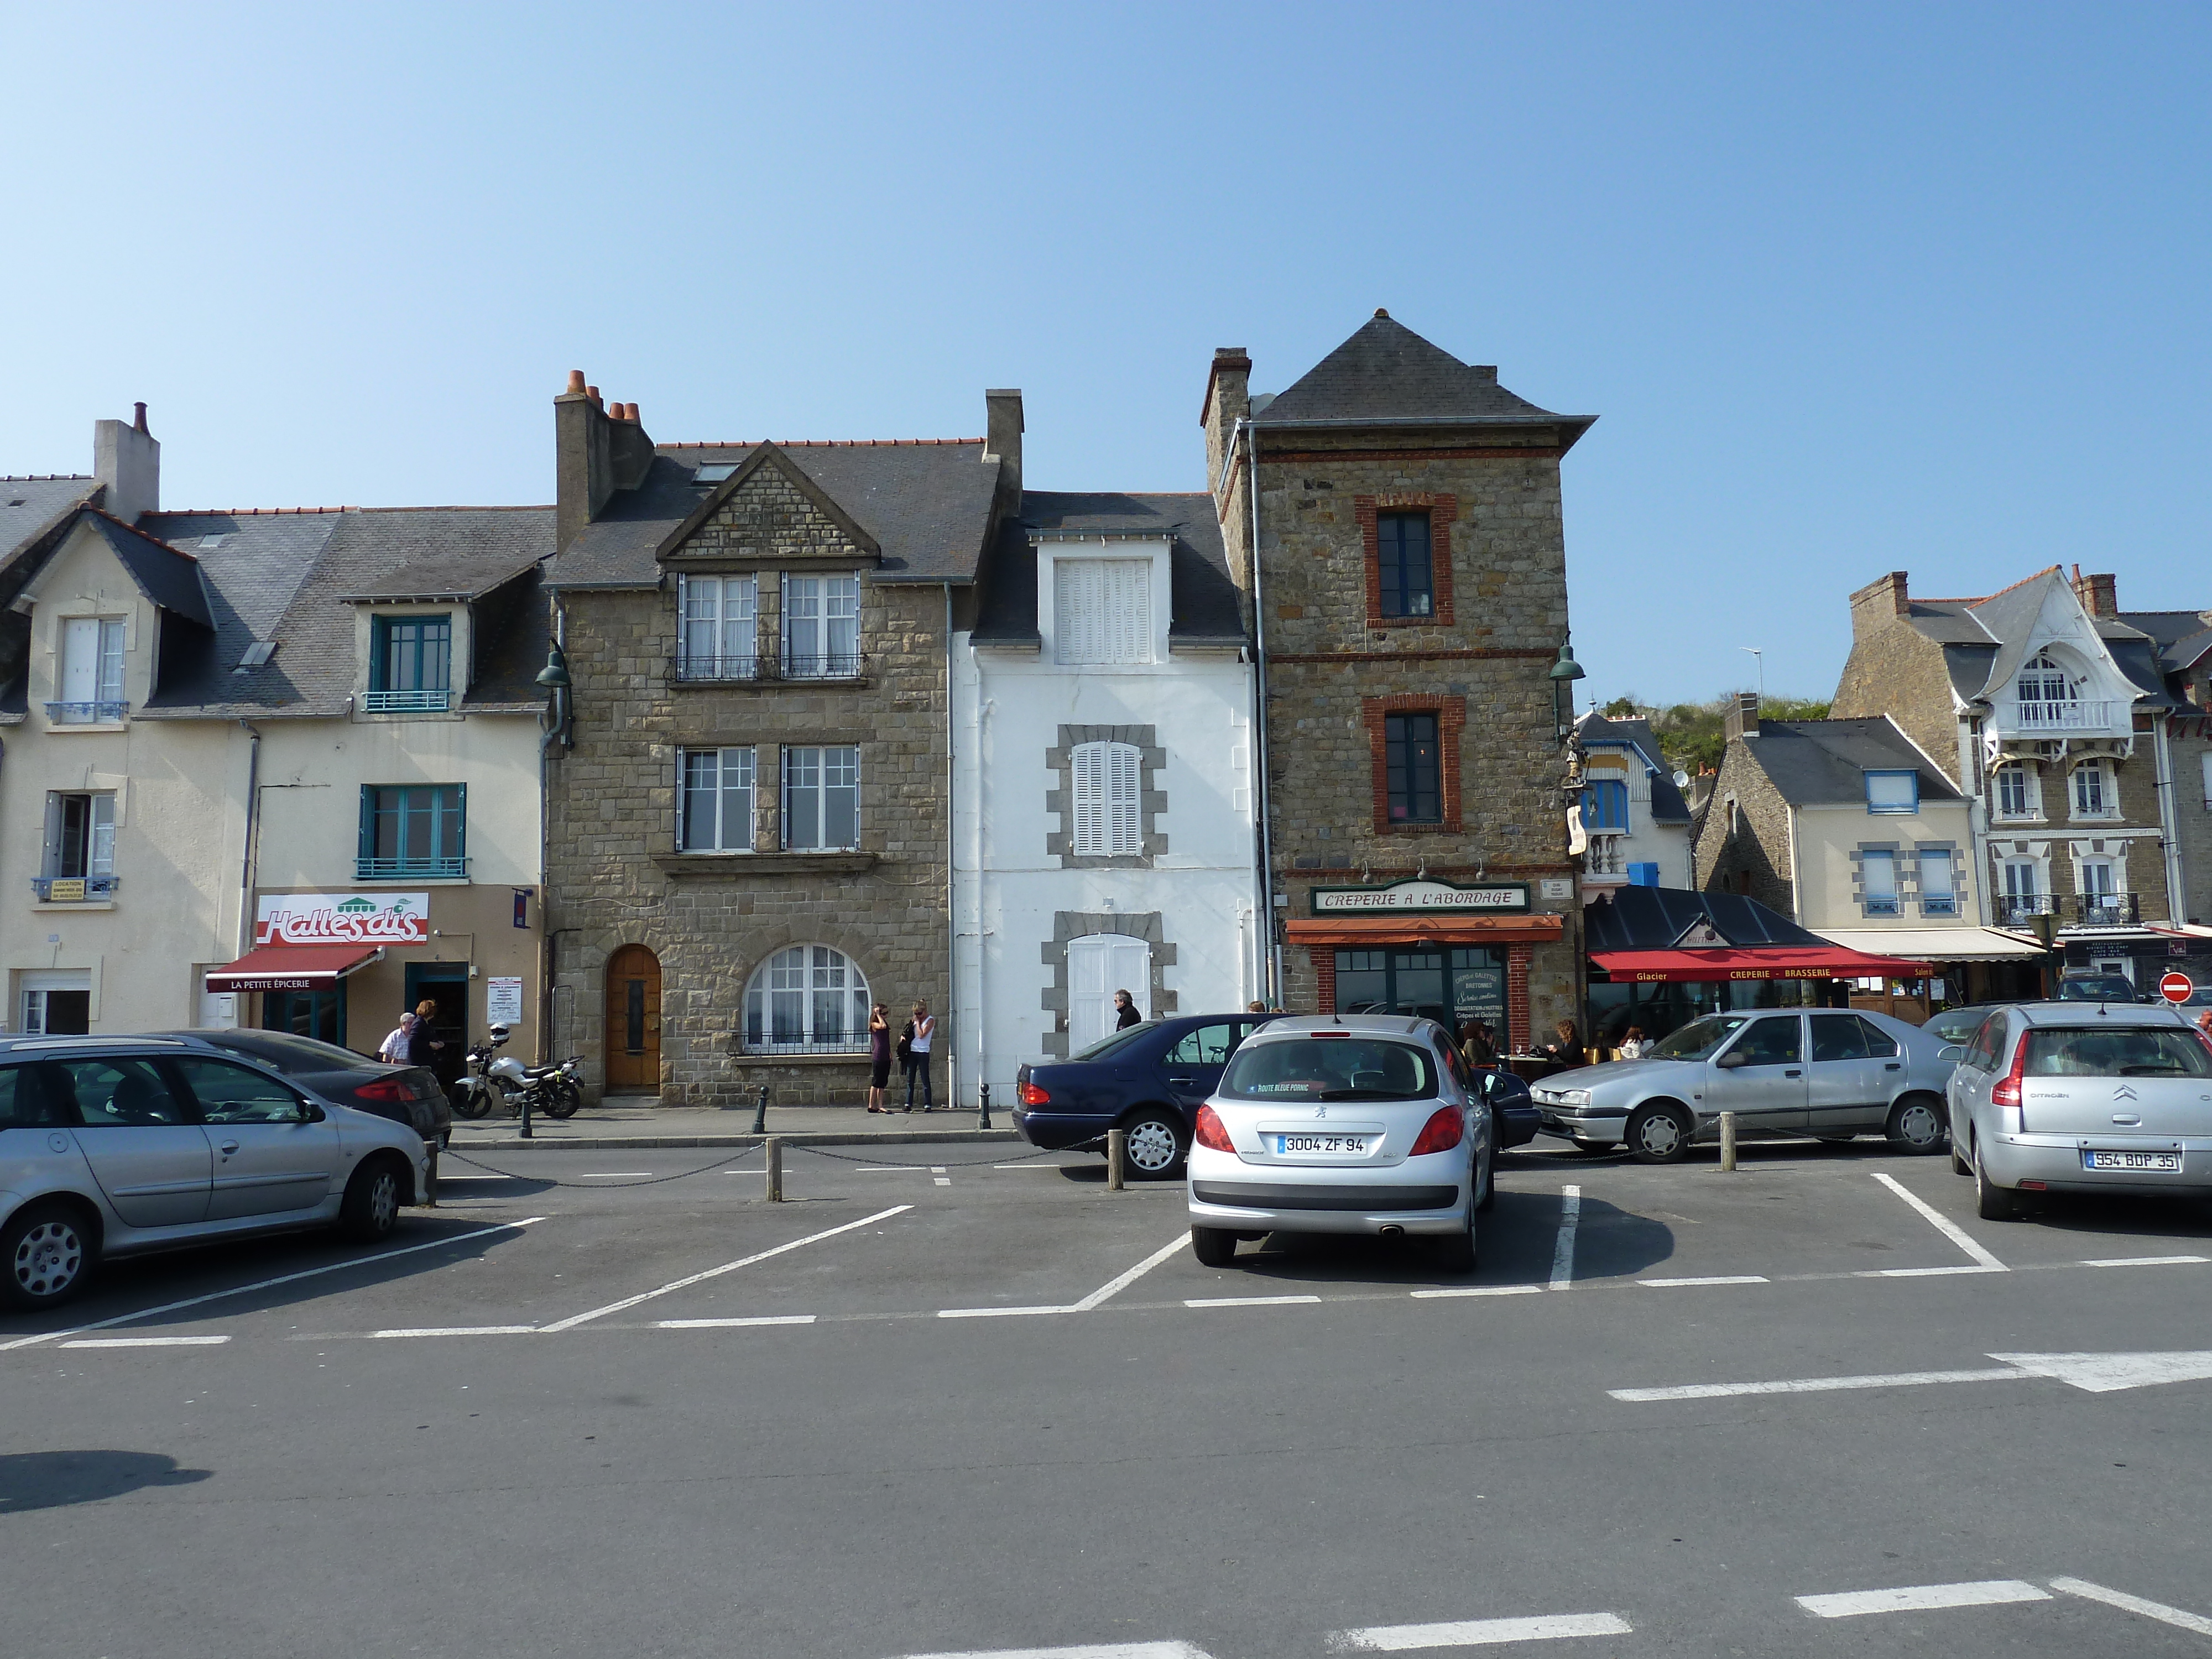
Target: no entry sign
(2177, 987)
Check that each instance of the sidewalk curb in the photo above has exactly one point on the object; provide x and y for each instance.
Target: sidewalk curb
(618, 1143)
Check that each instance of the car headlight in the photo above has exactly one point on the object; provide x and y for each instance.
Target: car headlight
(1574, 1097)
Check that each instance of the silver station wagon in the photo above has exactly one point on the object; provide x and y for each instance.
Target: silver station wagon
(2076, 1097)
(1830, 1072)
(111, 1146)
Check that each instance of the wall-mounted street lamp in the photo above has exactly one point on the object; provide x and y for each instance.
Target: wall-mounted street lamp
(554, 676)
(1565, 672)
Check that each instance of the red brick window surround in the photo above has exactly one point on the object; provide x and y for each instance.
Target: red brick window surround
(1442, 511)
(1451, 721)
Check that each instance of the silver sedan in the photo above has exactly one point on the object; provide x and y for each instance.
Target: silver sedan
(1829, 1073)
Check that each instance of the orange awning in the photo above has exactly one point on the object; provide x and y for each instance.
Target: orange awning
(292, 967)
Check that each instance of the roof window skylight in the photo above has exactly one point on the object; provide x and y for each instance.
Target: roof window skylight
(211, 541)
(257, 653)
(715, 474)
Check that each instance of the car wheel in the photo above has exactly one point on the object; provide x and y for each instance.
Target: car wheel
(370, 1209)
(1991, 1201)
(1155, 1145)
(1489, 1174)
(1593, 1147)
(47, 1249)
(1659, 1134)
(1458, 1251)
(1214, 1246)
(1915, 1125)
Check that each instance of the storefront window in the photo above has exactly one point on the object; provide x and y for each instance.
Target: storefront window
(1449, 985)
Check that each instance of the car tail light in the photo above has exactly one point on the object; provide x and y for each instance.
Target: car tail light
(384, 1088)
(1210, 1131)
(2005, 1092)
(1445, 1130)
(1032, 1096)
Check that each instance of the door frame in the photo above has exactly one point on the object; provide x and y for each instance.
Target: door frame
(647, 1057)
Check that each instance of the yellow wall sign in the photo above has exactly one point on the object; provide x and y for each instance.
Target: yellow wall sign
(70, 891)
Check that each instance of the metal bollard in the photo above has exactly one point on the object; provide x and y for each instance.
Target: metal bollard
(775, 1169)
(1727, 1141)
(983, 1107)
(528, 1092)
(760, 1113)
(1117, 1157)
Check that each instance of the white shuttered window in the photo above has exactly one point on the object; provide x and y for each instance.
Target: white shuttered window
(1099, 964)
(1101, 610)
(1107, 824)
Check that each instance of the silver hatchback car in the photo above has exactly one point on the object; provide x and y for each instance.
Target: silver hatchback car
(112, 1146)
(1358, 1123)
(2079, 1096)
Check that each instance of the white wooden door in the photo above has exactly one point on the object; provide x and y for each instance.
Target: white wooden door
(1098, 965)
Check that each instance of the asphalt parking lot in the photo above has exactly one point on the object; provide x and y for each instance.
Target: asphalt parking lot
(960, 1401)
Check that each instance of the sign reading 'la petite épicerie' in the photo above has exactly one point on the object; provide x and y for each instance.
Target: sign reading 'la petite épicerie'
(1422, 898)
(344, 919)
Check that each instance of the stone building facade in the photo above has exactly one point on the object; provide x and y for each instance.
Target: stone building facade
(747, 801)
(1405, 574)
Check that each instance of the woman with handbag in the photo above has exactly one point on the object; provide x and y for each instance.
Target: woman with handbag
(879, 1055)
(913, 1055)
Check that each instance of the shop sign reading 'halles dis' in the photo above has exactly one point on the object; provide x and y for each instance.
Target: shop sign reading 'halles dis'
(344, 919)
(1421, 898)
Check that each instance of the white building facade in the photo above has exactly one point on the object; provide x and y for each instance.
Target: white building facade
(1104, 836)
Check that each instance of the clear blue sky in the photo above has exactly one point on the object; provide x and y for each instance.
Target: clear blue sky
(1854, 287)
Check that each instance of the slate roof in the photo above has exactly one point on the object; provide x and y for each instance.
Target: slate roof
(31, 507)
(325, 558)
(2183, 637)
(1668, 805)
(1653, 918)
(1387, 374)
(1985, 641)
(1821, 763)
(165, 575)
(1203, 607)
(927, 502)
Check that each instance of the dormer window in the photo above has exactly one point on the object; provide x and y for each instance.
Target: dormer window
(1102, 611)
(2043, 691)
(1893, 792)
(410, 667)
(89, 676)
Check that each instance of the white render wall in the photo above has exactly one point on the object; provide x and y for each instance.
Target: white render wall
(1008, 709)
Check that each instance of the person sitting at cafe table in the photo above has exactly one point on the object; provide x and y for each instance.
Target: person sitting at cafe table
(1475, 1046)
(1568, 1050)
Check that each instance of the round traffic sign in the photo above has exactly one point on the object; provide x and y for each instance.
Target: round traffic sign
(2177, 987)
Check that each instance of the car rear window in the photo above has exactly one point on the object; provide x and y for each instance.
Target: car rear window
(1331, 1068)
(290, 1055)
(1114, 1043)
(2059, 1051)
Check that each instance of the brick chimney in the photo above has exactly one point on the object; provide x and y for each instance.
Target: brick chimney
(2098, 594)
(1879, 602)
(1228, 400)
(583, 458)
(127, 460)
(1741, 720)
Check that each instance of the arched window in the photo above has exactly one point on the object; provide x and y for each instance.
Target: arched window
(807, 1000)
(2042, 681)
(1106, 823)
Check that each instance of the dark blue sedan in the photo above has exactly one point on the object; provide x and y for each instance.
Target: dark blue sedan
(1150, 1079)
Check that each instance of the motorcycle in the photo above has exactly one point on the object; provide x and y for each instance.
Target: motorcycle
(474, 1094)
(551, 1090)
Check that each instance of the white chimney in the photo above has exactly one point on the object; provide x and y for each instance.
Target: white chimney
(127, 460)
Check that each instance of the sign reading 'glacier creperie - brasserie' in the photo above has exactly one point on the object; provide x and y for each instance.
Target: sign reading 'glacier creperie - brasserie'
(344, 919)
(1421, 898)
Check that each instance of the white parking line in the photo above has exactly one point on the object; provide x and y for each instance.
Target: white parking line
(1927, 1273)
(1121, 1282)
(1563, 1253)
(1818, 1385)
(997, 1313)
(148, 1342)
(1942, 1222)
(2120, 1599)
(1033, 1166)
(456, 1330)
(615, 1175)
(685, 1283)
(269, 1284)
(1715, 1278)
(1088, 1650)
(730, 1324)
(1478, 1290)
(1477, 1632)
(2146, 1260)
(1244, 1301)
(1921, 1598)
(868, 1168)
(938, 1171)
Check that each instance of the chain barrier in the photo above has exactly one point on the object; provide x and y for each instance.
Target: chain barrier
(599, 1186)
(942, 1164)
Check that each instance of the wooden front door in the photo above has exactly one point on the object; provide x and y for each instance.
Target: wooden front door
(633, 1021)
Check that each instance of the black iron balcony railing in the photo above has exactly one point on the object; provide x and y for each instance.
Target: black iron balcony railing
(2018, 911)
(823, 665)
(2106, 909)
(73, 890)
(705, 668)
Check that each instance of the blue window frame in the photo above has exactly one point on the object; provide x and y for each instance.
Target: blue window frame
(411, 665)
(413, 829)
(1605, 805)
(1409, 573)
(1893, 792)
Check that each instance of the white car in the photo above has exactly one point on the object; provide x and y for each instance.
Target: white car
(2076, 1097)
(1826, 1071)
(112, 1146)
(1362, 1123)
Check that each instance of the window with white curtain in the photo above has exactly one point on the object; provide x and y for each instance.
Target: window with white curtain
(822, 799)
(2015, 792)
(89, 676)
(716, 809)
(808, 998)
(821, 627)
(719, 641)
(2093, 794)
(1878, 879)
(1101, 610)
(1107, 820)
(1939, 893)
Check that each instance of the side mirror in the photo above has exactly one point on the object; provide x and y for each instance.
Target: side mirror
(1732, 1060)
(310, 1113)
(1954, 1052)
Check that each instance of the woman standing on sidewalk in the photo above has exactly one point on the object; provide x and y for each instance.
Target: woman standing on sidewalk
(919, 1030)
(879, 1055)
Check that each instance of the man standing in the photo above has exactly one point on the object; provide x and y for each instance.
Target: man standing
(1124, 1011)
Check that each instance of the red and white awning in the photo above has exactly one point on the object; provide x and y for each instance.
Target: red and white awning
(293, 968)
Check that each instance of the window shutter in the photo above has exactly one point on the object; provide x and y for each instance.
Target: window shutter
(1090, 994)
(1090, 813)
(51, 860)
(101, 857)
(1123, 839)
(369, 821)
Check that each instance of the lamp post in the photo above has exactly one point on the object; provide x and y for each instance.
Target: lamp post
(1760, 655)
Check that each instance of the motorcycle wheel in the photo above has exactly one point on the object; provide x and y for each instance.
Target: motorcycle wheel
(472, 1103)
(561, 1099)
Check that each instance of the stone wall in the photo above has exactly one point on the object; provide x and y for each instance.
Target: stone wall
(615, 878)
(1756, 851)
(1896, 670)
(2189, 740)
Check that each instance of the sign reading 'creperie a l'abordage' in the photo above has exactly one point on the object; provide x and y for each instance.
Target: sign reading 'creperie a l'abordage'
(1418, 898)
(344, 919)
